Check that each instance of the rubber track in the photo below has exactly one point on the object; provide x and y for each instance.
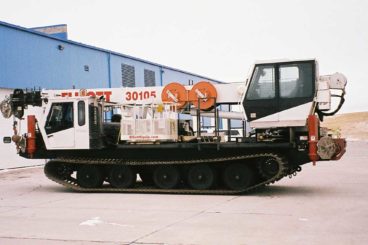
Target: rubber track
(71, 183)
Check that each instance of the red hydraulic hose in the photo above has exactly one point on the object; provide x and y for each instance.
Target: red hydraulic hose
(313, 129)
(31, 137)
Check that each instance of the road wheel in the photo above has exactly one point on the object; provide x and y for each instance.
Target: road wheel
(201, 177)
(268, 167)
(90, 176)
(166, 177)
(238, 176)
(122, 176)
(64, 171)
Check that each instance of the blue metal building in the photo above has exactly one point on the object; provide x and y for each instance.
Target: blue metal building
(38, 57)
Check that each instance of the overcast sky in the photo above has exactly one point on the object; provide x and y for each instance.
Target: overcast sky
(218, 39)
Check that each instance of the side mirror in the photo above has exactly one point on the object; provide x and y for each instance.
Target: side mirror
(7, 140)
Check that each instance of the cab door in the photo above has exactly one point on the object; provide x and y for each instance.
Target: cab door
(297, 85)
(59, 127)
(261, 98)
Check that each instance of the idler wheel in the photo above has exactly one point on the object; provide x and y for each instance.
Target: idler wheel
(90, 176)
(201, 177)
(238, 176)
(166, 177)
(64, 171)
(122, 176)
(268, 167)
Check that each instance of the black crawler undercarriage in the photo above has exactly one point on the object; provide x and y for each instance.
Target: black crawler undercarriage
(188, 168)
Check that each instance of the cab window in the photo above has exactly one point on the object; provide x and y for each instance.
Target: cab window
(262, 85)
(81, 113)
(60, 117)
(296, 80)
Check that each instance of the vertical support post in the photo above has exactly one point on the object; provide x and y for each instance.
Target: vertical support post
(228, 130)
(199, 128)
(217, 127)
(216, 121)
(292, 135)
(199, 119)
(244, 123)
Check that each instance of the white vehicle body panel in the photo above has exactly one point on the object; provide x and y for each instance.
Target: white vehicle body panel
(289, 118)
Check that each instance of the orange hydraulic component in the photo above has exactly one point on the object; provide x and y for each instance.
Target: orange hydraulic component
(31, 137)
(175, 92)
(313, 129)
(205, 92)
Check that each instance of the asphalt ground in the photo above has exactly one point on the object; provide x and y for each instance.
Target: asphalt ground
(325, 204)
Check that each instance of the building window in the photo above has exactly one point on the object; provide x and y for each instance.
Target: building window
(127, 75)
(149, 78)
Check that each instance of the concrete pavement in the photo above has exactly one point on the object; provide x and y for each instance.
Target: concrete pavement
(326, 204)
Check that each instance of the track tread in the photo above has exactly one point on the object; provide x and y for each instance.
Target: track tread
(71, 183)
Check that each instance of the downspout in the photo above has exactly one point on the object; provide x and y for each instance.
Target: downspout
(109, 68)
(161, 71)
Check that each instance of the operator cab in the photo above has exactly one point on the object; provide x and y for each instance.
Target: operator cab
(280, 94)
(72, 123)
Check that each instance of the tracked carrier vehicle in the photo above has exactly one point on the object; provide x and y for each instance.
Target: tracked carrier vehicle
(151, 139)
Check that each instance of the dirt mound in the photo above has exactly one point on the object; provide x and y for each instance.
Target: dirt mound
(353, 126)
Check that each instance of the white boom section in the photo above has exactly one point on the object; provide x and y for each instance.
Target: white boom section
(221, 114)
(336, 81)
(226, 93)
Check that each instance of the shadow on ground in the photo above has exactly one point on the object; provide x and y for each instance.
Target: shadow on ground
(268, 191)
(292, 190)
